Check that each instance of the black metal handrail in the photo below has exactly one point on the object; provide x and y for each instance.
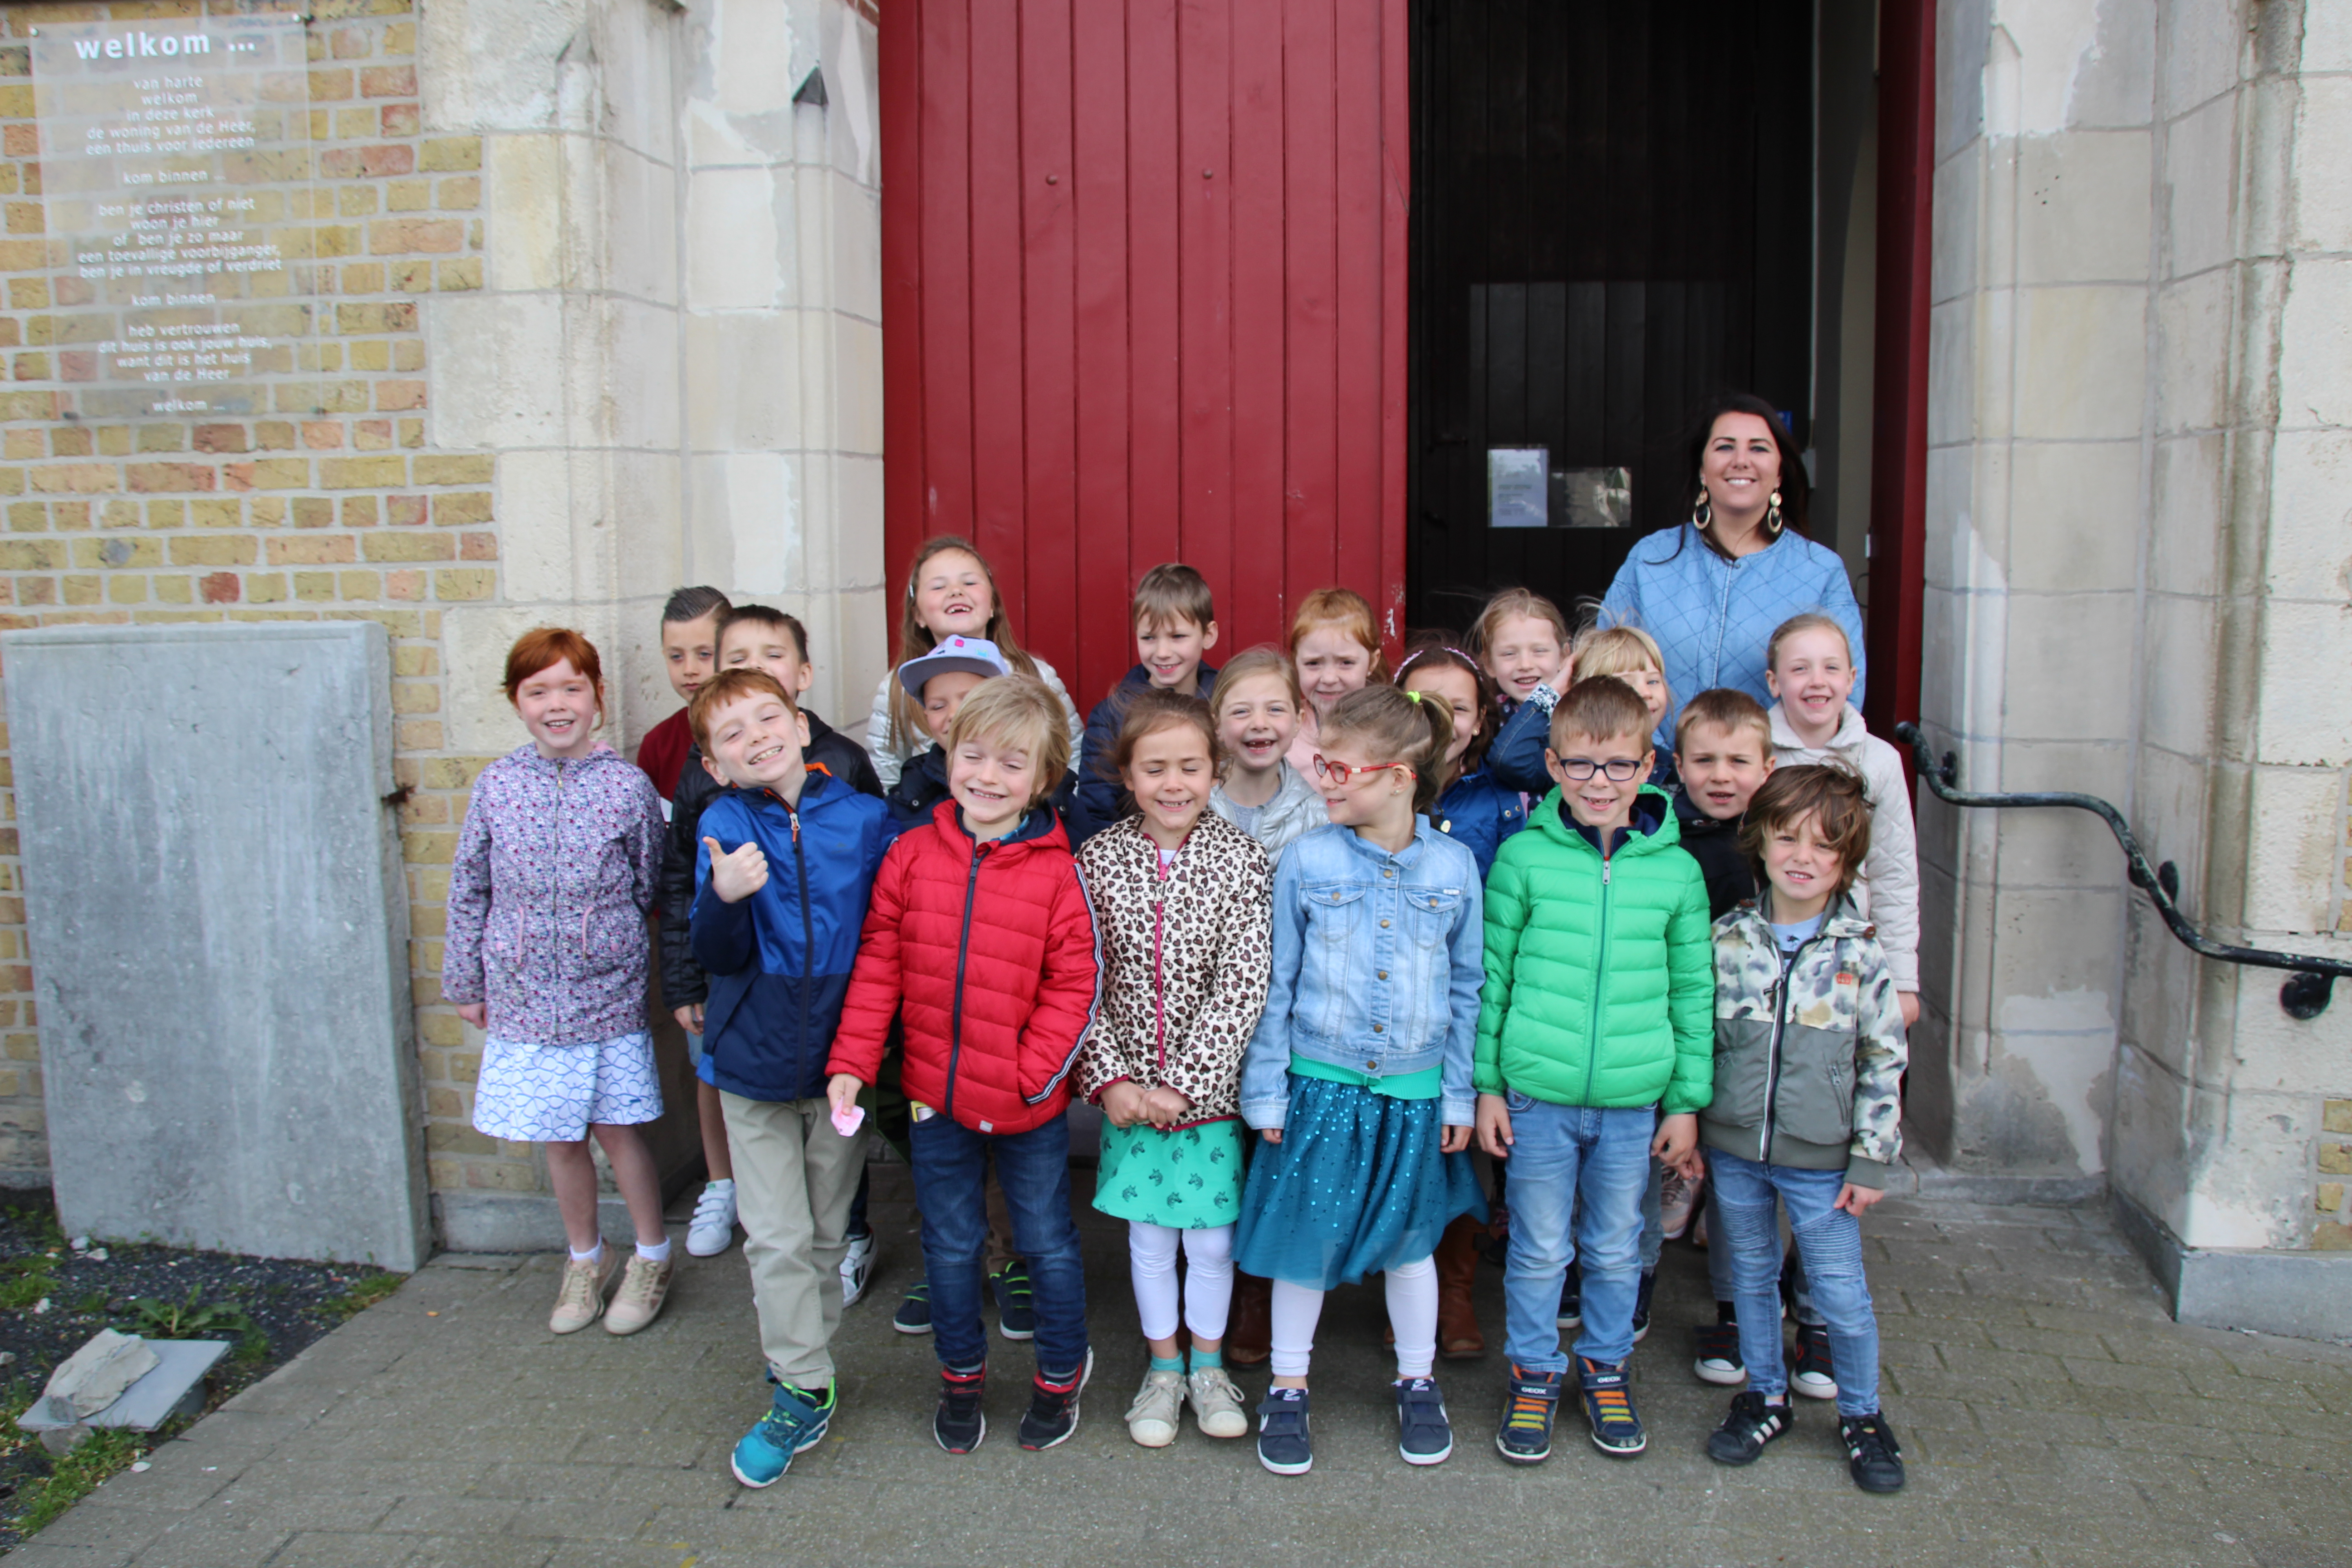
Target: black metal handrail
(2312, 979)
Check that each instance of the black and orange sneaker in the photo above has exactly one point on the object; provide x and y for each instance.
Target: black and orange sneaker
(959, 1424)
(1524, 1436)
(1609, 1408)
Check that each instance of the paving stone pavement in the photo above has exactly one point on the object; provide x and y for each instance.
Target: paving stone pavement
(2050, 1410)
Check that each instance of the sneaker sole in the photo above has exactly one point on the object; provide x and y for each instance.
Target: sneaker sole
(906, 1329)
(694, 1251)
(756, 1485)
(574, 1328)
(1641, 1332)
(1812, 1390)
(1437, 1459)
(1160, 1439)
(1615, 1453)
(852, 1292)
(1568, 1323)
(1237, 1427)
(1721, 1376)
(978, 1438)
(1877, 1490)
(1514, 1457)
(1299, 1468)
(1016, 1335)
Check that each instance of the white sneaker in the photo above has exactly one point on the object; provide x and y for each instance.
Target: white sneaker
(1151, 1419)
(1217, 1404)
(856, 1269)
(712, 1229)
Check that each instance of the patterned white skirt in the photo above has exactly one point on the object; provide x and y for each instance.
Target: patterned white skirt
(550, 1094)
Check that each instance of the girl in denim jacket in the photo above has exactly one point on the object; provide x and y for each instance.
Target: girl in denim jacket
(1357, 1077)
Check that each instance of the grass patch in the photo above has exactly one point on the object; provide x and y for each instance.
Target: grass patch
(362, 1293)
(25, 1280)
(72, 1476)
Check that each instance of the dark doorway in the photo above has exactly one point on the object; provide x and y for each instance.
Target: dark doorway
(1613, 217)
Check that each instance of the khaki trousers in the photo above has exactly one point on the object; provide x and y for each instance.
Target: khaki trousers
(795, 1178)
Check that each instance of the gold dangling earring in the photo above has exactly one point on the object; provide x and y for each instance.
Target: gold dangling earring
(1772, 523)
(1702, 514)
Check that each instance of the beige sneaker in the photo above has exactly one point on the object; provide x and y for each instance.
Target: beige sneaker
(638, 1302)
(580, 1300)
(1217, 1404)
(1151, 1419)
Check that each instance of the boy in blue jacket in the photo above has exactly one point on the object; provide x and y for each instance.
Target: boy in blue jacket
(787, 860)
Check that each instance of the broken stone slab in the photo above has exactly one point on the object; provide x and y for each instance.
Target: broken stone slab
(94, 1376)
(172, 1385)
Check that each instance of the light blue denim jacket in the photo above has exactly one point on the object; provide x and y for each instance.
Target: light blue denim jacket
(1377, 959)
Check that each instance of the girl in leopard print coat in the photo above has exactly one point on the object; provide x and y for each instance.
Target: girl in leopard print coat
(1183, 912)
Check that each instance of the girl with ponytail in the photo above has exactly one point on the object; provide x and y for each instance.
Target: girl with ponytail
(1357, 1076)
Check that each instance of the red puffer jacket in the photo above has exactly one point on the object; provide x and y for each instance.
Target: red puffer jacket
(988, 953)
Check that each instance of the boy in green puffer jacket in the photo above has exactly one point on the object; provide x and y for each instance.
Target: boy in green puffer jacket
(1597, 1017)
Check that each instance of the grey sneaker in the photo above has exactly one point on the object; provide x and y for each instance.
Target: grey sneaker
(1217, 1404)
(644, 1287)
(580, 1297)
(1151, 1419)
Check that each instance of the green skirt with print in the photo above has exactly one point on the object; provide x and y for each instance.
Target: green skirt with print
(1187, 1178)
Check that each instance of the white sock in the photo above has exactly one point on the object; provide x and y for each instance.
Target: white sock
(655, 1254)
(594, 1254)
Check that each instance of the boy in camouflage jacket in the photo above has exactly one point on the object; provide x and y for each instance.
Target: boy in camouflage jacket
(1807, 1108)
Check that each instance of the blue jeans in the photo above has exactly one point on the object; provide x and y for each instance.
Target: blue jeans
(1033, 1170)
(1560, 1153)
(1829, 1241)
(1719, 1262)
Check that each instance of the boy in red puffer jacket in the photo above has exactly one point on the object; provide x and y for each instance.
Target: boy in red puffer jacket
(980, 937)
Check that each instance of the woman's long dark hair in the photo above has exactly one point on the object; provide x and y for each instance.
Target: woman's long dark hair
(1796, 490)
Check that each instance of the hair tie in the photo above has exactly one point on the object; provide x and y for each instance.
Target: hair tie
(1411, 696)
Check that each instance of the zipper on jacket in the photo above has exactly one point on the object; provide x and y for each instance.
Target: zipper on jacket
(1599, 971)
(963, 946)
(555, 900)
(808, 929)
(1788, 961)
(1159, 983)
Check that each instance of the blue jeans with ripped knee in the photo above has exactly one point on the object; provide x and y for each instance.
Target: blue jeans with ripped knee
(1828, 1240)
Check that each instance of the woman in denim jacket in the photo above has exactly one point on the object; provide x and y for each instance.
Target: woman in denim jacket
(1358, 1078)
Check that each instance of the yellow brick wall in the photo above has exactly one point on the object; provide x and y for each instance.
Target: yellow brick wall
(354, 514)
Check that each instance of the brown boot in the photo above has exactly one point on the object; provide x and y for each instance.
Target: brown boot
(1249, 1336)
(1458, 1338)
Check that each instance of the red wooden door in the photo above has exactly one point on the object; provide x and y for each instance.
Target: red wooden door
(1143, 276)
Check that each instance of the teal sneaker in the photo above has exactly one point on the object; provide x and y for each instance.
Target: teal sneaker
(794, 1422)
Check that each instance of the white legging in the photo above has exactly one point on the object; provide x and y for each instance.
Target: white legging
(1412, 1313)
(1208, 1287)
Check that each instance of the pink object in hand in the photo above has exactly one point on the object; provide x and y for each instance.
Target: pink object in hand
(848, 1122)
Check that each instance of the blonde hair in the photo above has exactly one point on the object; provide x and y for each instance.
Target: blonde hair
(1811, 621)
(916, 639)
(1022, 713)
(1398, 726)
(1513, 604)
(1721, 707)
(1250, 664)
(1352, 613)
(1621, 650)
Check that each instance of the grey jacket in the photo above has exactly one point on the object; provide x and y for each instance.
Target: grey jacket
(1809, 1054)
(1297, 807)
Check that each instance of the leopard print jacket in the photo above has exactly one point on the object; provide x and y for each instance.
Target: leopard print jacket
(1185, 961)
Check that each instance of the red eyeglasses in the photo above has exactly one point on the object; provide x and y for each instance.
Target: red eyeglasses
(1340, 772)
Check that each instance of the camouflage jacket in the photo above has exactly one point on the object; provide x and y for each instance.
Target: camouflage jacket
(1809, 1053)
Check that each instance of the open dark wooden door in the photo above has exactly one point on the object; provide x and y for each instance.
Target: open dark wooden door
(1612, 220)
(1144, 300)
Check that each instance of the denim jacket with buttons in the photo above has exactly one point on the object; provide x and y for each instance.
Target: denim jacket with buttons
(1377, 959)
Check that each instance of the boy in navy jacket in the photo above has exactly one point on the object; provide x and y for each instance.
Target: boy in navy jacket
(787, 860)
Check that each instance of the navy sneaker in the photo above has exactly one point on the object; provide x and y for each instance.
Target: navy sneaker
(1719, 1360)
(795, 1421)
(958, 1424)
(1608, 1409)
(1283, 1446)
(1642, 1294)
(1814, 1375)
(1425, 1436)
(914, 1314)
(1016, 1313)
(1571, 1298)
(1872, 1454)
(1054, 1408)
(1753, 1421)
(1525, 1436)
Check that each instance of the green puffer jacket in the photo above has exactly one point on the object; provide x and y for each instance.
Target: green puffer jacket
(1600, 976)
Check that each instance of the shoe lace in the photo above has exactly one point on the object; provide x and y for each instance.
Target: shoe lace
(1867, 1438)
(1531, 1408)
(1611, 1402)
(638, 1281)
(581, 1278)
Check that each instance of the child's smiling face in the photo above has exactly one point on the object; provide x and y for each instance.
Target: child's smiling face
(1170, 775)
(1805, 870)
(1258, 723)
(1459, 691)
(1812, 675)
(1525, 652)
(994, 783)
(559, 705)
(756, 743)
(953, 595)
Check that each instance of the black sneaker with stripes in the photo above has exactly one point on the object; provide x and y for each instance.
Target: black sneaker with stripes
(1754, 1421)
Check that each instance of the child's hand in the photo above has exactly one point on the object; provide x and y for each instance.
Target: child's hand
(1166, 1107)
(1693, 1169)
(737, 876)
(1677, 1138)
(1122, 1103)
(840, 1091)
(689, 1017)
(475, 1013)
(1454, 1139)
(1857, 1201)
(1909, 1001)
(1494, 1126)
(1271, 1134)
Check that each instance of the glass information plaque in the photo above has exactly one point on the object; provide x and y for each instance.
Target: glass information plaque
(177, 180)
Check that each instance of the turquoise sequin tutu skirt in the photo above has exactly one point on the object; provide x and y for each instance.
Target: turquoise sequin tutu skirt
(1357, 1185)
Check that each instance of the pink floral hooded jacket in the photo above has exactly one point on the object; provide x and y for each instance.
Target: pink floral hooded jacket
(548, 897)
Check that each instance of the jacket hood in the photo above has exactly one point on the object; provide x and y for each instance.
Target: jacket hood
(1851, 732)
(1040, 825)
(818, 787)
(1697, 824)
(1652, 827)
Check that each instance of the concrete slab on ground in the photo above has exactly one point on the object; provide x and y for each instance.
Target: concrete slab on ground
(2050, 1410)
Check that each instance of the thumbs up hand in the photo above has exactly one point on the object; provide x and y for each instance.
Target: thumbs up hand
(735, 875)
